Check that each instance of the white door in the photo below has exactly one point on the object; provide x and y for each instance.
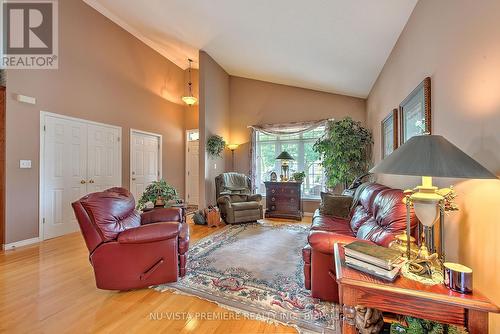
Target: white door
(145, 161)
(103, 158)
(192, 170)
(78, 157)
(65, 174)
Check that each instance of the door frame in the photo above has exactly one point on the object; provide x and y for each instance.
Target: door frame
(160, 155)
(3, 179)
(186, 140)
(41, 169)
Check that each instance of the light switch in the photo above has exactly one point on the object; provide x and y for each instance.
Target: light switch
(24, 163)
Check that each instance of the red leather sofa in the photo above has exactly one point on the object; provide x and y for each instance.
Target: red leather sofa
(378, 215)
(129, 250)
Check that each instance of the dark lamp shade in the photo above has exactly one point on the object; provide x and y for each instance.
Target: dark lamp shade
(284, 156)
(432, 155)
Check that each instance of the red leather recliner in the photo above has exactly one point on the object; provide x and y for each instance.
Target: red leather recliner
(378, 215)
(129, 250)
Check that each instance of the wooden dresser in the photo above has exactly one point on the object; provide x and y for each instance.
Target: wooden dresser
(284, 200)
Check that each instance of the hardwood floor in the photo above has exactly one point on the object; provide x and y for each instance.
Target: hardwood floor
(49, 288)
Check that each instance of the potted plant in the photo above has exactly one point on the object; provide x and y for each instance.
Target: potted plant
(345, 151)
(299, 176)
(215, 146)
(159, 193)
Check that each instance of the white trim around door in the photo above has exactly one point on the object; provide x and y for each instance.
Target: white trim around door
(42, 161)
(186, 164)
(159, 158)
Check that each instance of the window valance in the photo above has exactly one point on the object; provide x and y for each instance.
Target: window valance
(288, 128)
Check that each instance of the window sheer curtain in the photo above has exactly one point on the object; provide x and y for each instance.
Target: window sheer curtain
(292, 128)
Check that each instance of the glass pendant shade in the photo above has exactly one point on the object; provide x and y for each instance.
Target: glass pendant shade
(189, 100)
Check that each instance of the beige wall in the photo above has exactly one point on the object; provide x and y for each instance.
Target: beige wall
(213, 120)
(456, 42)
(258, 102)
(105, 75)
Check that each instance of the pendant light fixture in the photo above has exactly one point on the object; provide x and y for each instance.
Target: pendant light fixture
(190, 99)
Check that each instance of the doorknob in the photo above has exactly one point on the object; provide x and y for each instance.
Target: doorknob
(91, 181)
(83, 182)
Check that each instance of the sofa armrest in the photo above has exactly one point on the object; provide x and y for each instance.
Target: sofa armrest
(161, 215)
(255, 198)
(323, 241)
(149, 233)
(224, 201)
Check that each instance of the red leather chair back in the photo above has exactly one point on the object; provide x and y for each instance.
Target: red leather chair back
(363, 211)
(103, 215)
(388, 218)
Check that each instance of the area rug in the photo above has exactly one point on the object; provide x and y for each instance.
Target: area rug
(257, 270)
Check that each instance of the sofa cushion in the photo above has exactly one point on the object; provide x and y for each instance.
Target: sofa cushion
(335, 205)
(389, 218)
(364, 210)
(241, 206)
(331, 224)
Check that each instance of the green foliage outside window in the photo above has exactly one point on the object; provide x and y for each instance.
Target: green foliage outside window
(345, 151)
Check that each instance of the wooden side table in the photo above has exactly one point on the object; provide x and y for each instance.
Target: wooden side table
(407, 297)
(284, 200)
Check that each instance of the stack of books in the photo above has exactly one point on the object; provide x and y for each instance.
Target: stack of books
(381, 262)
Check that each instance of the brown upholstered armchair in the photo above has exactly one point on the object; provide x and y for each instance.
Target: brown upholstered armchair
(235, 200)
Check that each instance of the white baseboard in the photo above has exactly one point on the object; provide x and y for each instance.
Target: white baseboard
(21, 243)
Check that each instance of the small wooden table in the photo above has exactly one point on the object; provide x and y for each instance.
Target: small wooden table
(407, 297)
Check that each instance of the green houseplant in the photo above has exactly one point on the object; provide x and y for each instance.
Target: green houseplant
(299, 176)
(345, 150)
(215, 146)
(159, 193)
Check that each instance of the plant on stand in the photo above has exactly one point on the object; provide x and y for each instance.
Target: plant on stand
(158, 193)
(345, 151)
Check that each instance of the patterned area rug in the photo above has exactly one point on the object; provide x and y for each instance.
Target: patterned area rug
(257, 270)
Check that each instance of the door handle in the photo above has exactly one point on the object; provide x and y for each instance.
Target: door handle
(133, 179)
(91, 181)
(83, 182)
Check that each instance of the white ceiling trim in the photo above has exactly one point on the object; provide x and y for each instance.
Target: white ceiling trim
(177, 59)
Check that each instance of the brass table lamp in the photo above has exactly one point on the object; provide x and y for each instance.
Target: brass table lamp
(285, 157)
(430, 156)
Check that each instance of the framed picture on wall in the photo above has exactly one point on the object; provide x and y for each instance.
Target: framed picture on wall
(415, 112)
(389, 133)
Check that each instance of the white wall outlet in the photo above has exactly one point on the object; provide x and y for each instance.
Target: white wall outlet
(24, 163)
(215, 166)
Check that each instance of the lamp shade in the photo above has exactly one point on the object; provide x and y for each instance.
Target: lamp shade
(284, 156)
(432, 155)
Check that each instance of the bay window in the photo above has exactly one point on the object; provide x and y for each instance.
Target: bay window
(300, 147)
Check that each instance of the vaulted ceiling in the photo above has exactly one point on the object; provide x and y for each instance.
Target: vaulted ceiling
(337, 46)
